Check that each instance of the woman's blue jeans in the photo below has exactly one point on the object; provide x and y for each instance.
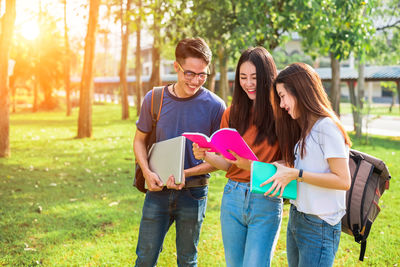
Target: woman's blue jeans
(311, 241)
(250, 225)
(187, 208)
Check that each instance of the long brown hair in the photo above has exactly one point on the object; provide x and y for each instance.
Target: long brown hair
(242, 108)
(304, 84)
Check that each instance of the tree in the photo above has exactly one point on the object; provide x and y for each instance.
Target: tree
(230, 26)
(67, 63)
(334, 27)
(158, 8)
(86, 86)
(37, 72)
(378, 48)
(23, 54)
(138, 68)
(7, 28)
(50, 60)
(386, 43)
(125, 21)
(265, 23)
(216, 21)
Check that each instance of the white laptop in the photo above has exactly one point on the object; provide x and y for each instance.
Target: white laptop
(168, 157)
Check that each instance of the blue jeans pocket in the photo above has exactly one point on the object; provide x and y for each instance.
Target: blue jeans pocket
(312, 219)
(198, 193)
(228, 188)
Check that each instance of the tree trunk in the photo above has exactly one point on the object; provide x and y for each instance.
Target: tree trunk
(48, 97)
(7, 28)
(38, 73)
(36, 86)
(155, 79)
(223, 70)
(124, 57)
(13, 91)
(106, 70)
(86, 87)
(67, 64)
(398, 91)
(335, 86)
(353, 101)
(360, 96)
(138, 69)
(212, 78)
(393, 102)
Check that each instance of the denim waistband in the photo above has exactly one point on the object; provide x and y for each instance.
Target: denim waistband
(238, 184)
(309, 214)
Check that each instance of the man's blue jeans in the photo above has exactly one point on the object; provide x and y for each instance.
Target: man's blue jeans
(187, 208)
(250, 225)
(311, 241)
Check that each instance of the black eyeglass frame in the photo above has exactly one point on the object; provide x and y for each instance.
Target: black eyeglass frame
(190, 75)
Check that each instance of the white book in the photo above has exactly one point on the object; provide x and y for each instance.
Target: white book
(167, 158)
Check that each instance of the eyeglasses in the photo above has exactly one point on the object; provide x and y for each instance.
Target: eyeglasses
(189, 75)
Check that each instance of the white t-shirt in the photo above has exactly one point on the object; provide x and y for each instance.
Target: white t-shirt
(324, 141)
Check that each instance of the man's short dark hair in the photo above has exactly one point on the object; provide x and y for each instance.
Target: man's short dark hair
(193, 47)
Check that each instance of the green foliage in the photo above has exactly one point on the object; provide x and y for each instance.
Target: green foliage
(386, 41)
(70, 202)
(265, 23)
(390, 86)
(282, 59)
(234, 25)
(335, 26)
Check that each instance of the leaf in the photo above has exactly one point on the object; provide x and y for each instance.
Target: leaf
(115, 203)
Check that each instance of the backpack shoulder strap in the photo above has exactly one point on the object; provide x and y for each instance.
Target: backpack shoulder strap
(156, 103)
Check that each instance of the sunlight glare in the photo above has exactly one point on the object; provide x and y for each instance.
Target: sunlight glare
(30, 30)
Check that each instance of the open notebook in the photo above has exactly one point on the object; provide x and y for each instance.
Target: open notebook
(221, 141)
(168, 157)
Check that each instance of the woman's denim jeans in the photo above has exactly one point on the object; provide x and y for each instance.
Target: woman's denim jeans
(311, 241)
(250, 225)
(187, 208)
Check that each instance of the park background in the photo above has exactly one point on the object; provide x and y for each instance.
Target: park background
(70, 93)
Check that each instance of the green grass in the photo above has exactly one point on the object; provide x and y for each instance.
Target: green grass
(375, 109)
(70, 202)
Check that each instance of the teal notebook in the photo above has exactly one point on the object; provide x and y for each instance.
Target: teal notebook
(260, 172)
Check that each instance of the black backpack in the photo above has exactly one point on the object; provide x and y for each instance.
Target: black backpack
(369, 180)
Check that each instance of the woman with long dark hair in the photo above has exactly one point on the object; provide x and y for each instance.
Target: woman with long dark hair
(250, 222)
(315, 147)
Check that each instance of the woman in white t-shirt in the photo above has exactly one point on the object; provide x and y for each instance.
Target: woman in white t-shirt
(315, 147)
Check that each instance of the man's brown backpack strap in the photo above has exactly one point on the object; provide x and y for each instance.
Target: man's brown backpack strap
(156, 105)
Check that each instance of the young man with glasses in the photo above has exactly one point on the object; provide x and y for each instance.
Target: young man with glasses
(187, 107)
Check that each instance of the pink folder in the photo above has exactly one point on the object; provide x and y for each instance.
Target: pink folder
(222, 140)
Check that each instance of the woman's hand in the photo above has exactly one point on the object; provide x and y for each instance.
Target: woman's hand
(240, 162)
(280, 179)
(198, 152)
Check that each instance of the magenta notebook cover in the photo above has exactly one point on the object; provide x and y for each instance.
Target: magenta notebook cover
(222, 140)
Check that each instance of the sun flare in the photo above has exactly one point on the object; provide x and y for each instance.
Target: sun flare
(30, 30)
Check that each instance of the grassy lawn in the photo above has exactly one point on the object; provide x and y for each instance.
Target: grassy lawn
(375, 109)
(70, 202)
